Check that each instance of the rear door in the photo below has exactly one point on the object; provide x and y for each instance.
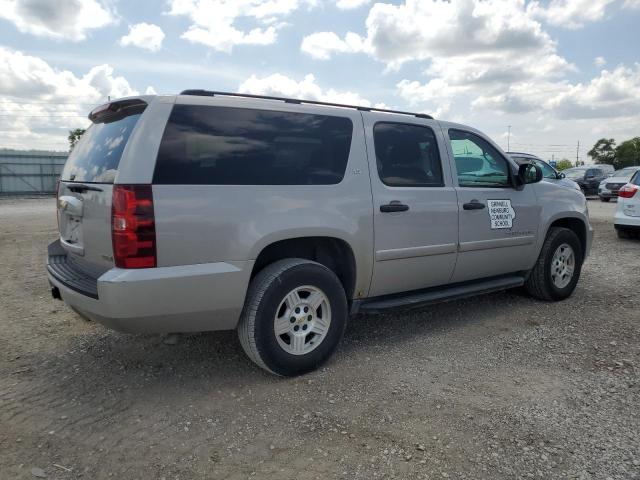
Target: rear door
(415, 205)
(498, 223)
(86, 186)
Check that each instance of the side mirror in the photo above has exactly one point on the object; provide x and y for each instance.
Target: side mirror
(561, 175)
(529, 173)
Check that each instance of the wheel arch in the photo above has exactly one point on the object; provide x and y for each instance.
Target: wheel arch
(334, 253)
(576, 225)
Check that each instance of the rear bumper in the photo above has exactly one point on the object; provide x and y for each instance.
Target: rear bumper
(622, 221)
(607, 194)
(162, 300)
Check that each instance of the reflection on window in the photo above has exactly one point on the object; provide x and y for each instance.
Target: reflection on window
(238, 146)
(407, 155)
(478, 164)
(96, 156)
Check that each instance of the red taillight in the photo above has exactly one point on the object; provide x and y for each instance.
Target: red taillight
(133, 227)
(627, 191)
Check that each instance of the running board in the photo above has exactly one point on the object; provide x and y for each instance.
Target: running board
(420, 298)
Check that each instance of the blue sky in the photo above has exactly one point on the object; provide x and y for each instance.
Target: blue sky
(558, 72)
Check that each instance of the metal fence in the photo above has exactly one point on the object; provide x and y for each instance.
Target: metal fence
(29, 174)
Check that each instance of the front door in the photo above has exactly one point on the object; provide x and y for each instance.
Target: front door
(415, 205)
(498, 223)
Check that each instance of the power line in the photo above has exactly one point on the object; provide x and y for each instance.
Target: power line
(19, 102)
(43, 116)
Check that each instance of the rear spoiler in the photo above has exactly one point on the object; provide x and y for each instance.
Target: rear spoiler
(112, 111)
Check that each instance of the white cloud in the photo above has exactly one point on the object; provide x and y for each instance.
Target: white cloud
(321, 45)
(351, 4)
(493, 55)
(571, 14)
(144, 35)
(150, 91)
(215, 21)
(609, 95)
(43, 102)
(424, 29)
(632, 4)
(599, 61)
(60, 19)
(307, 89)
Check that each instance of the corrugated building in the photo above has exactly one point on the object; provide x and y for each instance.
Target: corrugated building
(30, 173)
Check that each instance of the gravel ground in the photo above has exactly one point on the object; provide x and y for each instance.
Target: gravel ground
(494, 387)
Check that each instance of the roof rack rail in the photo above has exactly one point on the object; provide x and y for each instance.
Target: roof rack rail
(209, 93)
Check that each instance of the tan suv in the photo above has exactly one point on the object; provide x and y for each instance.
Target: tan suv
(282, 217)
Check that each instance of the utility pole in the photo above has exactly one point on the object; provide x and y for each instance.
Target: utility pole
(578, 154)
(509, 138)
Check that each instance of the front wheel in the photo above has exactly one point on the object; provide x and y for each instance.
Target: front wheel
(294, 316)
(555, 275)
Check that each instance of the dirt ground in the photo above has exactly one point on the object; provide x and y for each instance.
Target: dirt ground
(500, 386)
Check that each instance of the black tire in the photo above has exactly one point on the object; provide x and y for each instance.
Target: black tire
(605, 199)
(539, 284)
(623, 233)
(265, 295)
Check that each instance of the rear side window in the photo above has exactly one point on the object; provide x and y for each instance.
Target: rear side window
(236, 146)
(636, 178)
(407, 155)
(96, 157)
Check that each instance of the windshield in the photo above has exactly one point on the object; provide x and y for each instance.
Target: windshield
(96, 157)
(575, 173)
(625, 173)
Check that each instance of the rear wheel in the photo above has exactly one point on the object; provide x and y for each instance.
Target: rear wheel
(294, 316)
(605, 199)
(555, 275)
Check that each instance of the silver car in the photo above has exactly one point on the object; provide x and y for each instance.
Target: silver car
(281, 218)
(610, 186)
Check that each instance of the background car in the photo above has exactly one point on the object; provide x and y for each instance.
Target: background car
(627, 218)
(587, 177)
(609, 187)
(548, 172)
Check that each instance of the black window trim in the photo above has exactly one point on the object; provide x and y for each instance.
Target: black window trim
(509, 164)
(415, 185)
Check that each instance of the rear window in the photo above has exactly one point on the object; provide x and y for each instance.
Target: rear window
(205, 145)
(96, 156)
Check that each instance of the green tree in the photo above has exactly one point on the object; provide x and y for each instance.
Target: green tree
(74, 136)
(604, 151)
(628, 153)
(563, 164)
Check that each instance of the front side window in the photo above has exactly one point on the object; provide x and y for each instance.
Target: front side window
(547, 170)
(478, 163)
(207, 145)
(407, 155)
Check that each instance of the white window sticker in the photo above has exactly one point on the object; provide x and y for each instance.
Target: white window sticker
(501, 214)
